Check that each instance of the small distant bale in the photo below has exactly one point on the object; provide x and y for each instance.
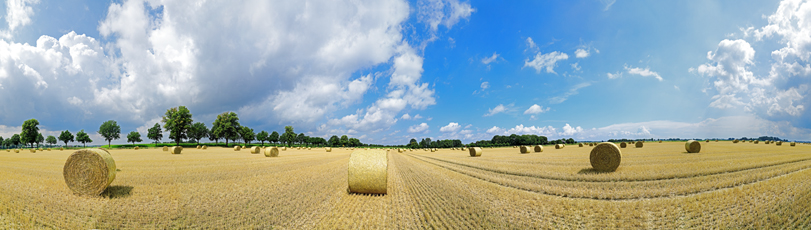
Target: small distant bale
(165, 148)
(255, 150)
(605, 157)
(433, 150)
(475, 151)
(692, 146)
(756, 141)
(33, 150)
(708, 141)
(17, 151)
(236, 148)
(89, 172)
(716, 140)
(591, 144)
(328, 149)
(284, 148)
(660, 141)
(639, 144)
(623, 145)
(464, 149)
(559, 146)
(538, 148)
(205, 147)
(368, 172)
(524, 149)
(61, 149)
(271, 152)
(136, 148)
(199, 147)
(792, 144)
(49, 149)
(735, 141)
(176, 149)
(580, 144)
(779, 143)
(515, 146)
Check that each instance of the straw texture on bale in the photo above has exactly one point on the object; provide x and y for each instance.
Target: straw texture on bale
(236, 148)
(692, 146)
(559, 146)
(623, 145)
(136, 148)
(779, 143)
(272, 152)
(639, 144)
(475, 151)
(605, 157)
(792, 144)
(255, 150)
(176, 149)
(165, 148)
(524, 149)
(580, 144)
(89, 171)
(205, 147)
(538, 148)
(368, 171)
(328, 149)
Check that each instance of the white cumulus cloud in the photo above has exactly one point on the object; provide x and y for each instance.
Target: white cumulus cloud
(536, 109)
(646, 72)
(422, 127)
(451, 127)
(500, 108)
(545, 61)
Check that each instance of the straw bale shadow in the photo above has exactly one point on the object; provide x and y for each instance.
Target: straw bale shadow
(591, 170)
(117, 191)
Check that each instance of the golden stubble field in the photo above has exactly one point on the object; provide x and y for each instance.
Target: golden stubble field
(658, 186)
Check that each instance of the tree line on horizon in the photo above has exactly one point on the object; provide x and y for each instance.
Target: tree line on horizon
(178, 122)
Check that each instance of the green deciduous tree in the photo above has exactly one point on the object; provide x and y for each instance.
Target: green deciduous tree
(274, 137)
(262, 136)
(16, 139)
(289, 135)
(155, 133)
(344, 140)
(247, 134)
(301, 138)
(30, 132)
(83, 138)
(133, 137)
(177, 121)
(66, 137)
(40, 139)
(51, 140)
(198, 131)
(226, 126)
(334, 141)
(110, 131)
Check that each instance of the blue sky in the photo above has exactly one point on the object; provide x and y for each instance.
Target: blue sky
(389, 71)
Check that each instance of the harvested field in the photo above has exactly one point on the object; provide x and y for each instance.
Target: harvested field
(659, 186)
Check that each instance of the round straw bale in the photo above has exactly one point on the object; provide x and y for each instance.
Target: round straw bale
(779, 143)
(708, 140)
(236, 148)
(176, 149)
(538, 148)
(579, 144)
(368, 171)
(284, 148)
(255, 150)
(272, 152)
(136, 148)
(205, 147)
(559, 146)
(60, 148)
(716, 140)
(792, 144)
(524, 149)
(433, 150)
(735, 141)
(33, 150)
(639, 144)
(756, 141)
(623, 145)
(165, 148)
(515, 146)
(605, 157)
(89, 171)
(475, 151)
(660, 141)
(328, 149)
(49, 149)
(17, 150)
(692, 146)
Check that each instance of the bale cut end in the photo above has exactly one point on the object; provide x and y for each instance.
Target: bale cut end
(524, 149)
(271, 152)
(639, 144)
(368, 171)
(176, 149)
(328, 149)
(538, 148)
(475, 151)
(559, 146)
(255, 150)
(605, 157)
(692, 146)
(89, 171)
(623, 145)
(165, 148)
